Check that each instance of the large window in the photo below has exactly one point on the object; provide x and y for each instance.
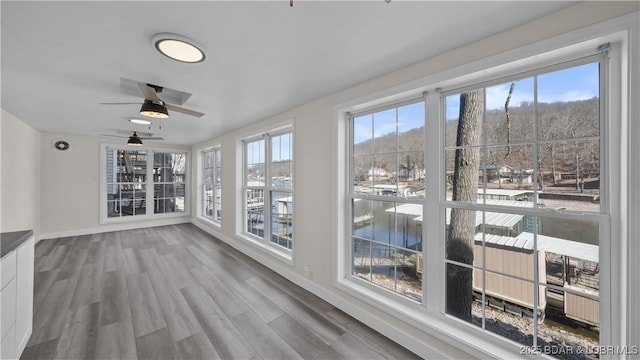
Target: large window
(523, 212)
(516, 220)
(212, 184)
(388, 187)
(268, 179)
(143, 182)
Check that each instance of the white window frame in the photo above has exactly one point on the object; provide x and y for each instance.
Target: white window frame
(264, 243)
(215, 183)
(430, 315)
(149, 214)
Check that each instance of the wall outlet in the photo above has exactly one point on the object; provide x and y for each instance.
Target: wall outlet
(308, 272)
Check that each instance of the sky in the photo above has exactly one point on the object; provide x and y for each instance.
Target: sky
(575, 83)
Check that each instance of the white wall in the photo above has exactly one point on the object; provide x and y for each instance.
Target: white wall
(70, 186)
(313, 179)
(20, 185)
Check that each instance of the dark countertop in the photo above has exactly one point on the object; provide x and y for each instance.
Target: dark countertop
(11, 240)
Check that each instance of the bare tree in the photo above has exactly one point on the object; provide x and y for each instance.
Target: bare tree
(465, 188)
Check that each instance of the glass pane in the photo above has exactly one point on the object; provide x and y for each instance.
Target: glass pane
(383, 174)
(459, 292)
(509, 116)
(362, 180)
(282, 219)
(452, 114)
(255, 212)
(472, 134)
(179, 189)
(208, 158)
(461, 226)
(463, 182)
(178, 162)
(411, 132)
(158, 159)
(113, 208)
(385, 131)
(218, 156)
(570, 175)
(363, 135)
(383, 228)
(208, 175)
(218, 200)
(409, 283)
(568, 103)
(133, 199)
(208, 200)
(506, 255)
(384, 266)
(502, 315)
(179, 204)
(449, 163)
(362, 258)
(508, 173)
(572, 322)
(408, 225)
(362, 218)
(255, 167)
(159, 191)
(281, 174)
(410, 174)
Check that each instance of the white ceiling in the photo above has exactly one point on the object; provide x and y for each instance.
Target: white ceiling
(61, 59)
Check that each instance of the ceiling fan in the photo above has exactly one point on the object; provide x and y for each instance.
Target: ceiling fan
(153, 106)
(134, 139)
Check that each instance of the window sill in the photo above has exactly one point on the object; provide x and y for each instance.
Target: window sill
(146, 217)
(210, 222)
(459, 334)
(285, 256)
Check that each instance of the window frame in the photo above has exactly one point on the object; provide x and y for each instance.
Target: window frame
(431, 318)
(150, 183)
(399, 200)
(215, 183)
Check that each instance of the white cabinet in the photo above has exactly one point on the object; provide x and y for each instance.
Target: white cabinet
(16, 299)
(24, 305)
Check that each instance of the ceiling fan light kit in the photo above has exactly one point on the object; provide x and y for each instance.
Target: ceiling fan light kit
(153, 110)
(139, 121)
(178, 48)
(134, 140)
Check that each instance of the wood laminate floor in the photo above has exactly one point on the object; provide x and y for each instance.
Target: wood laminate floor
(175, 292)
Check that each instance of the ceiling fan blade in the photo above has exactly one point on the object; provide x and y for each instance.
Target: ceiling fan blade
(183, 110)
(119, 103)
(151, 138)
(149, 92)
(118, 136)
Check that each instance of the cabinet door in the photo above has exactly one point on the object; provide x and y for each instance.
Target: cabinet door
(24, 306)
(8, 346)
(8, 306)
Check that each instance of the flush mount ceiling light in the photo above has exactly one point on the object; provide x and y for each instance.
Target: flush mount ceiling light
(140, 121)
(153, 110)
(134, 140)
(178, 47)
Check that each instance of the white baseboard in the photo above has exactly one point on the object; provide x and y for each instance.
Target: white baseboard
(114, 227)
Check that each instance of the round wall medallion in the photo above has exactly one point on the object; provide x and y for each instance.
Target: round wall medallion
(61, 145)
